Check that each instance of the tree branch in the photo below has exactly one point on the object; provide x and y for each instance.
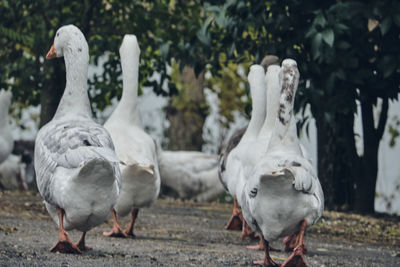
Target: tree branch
(382, 119)
(88, 17)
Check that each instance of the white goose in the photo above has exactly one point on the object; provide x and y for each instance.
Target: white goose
(231, 163)
(6, 140)
(76, 166)
(191, 174)
(237, 220)
(257, 148)
(283, 194)
(12, 173)
(138, 151)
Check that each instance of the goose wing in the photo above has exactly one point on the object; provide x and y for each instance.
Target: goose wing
(69, 145)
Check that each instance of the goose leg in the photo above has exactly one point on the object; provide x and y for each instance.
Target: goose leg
(267, 259)
(64, 244)
(22, 184)
(81, 243)
(291, 243)
(261, 246)
(129, 230)
(296, 259)
(247, 232)
(116, 230)
(235, 222)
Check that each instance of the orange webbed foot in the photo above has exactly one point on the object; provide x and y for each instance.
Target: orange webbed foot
(268, 263)
(116, 232)
(291, 242)
(247, 232)
(296, 259)
(84, 248)
(234, 223)
(236, 220)
(261, 246)
(81, 243)
(64, 245)
(129, 233)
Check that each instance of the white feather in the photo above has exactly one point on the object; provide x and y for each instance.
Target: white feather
(134, 147)
(6, 140)
(282, 189)
(75, 163)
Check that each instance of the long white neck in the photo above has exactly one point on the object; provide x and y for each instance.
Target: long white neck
(273, 93)
(5, 100)
(285, 133)
(128, 109)
(75, 100)
(257, 90)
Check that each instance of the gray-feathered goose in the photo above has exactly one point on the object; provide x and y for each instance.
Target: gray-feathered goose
(76, 166)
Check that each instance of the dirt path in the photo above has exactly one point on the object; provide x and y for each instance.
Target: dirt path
(170, 233)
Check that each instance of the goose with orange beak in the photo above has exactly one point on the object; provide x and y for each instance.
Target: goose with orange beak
(77, 169)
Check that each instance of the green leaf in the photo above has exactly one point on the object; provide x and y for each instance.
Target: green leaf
(204, 36)
(315, 45)
(341, 27)
(164, 49)
(328, 36)
(320, 20)
(385, 25)
(213, 9)
(311, 32)
(221, 19)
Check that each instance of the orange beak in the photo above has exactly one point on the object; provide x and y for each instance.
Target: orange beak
(52, 53)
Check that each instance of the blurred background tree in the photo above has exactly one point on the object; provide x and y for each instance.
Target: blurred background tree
(347, 52)
(166, 30)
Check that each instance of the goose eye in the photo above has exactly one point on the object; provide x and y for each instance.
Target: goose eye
(58, 34)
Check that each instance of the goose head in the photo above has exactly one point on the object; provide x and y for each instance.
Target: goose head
(68, 40)
(268, 61)
(255, 76)
(70, 43)
(289, 77)
(129, 46)
(130, 53)
(289, 80)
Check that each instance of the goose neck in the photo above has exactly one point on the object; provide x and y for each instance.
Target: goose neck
(75, 99)
(128, 107)
(285, 133)
(272, 110)
(3, 113)
(258, 112)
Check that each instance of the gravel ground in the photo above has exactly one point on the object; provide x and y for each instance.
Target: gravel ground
(170, 233)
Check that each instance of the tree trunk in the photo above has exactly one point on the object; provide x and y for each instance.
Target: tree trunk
(366, 182)
(187, 112)
(336, 159)
(52, 90)
(326, 151)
